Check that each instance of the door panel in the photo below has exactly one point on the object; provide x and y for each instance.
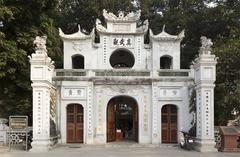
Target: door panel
(74, 123)
(169, 124)
(111, 128)
(135, 122)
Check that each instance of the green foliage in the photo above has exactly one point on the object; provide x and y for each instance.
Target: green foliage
(22, 21)
(74, 12)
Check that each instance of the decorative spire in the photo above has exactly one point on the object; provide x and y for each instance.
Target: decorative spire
(79, 28)
(163, 29)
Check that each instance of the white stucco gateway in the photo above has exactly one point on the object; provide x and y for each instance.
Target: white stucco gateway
(121, 83)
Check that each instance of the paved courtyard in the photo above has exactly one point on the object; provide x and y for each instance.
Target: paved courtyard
(116, 151)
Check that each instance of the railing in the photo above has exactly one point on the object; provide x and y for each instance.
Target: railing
(97, 73)
(122, 73)
(174, 73)
(70, 72)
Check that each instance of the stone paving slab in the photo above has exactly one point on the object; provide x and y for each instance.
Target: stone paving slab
(102, 151)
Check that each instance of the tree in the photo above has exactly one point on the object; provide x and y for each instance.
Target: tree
(20, 25)
(74, 12)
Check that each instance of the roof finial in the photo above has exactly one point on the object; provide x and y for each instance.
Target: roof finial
(163, 29)
(79, 28)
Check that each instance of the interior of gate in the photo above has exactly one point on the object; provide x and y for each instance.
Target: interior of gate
(122, 119)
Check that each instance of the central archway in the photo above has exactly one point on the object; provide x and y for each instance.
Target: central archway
(122, 119)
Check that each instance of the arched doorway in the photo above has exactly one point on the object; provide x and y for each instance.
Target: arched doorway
(169, 124)
(75, 123)
(166, 62)
(122, 119)
(77, 61)
(122, 58)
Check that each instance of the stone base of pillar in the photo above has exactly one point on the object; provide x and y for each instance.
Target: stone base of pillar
(41, 146)
(155, 139)
(205, 146)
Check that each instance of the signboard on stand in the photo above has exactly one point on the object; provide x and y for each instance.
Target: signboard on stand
(18, 130)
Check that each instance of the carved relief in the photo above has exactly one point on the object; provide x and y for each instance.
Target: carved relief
(77, 46)
(129, 17)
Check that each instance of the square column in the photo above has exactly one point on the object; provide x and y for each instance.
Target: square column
(41, 76)
(205, 76)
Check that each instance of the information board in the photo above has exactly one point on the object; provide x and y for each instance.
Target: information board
(18, 123)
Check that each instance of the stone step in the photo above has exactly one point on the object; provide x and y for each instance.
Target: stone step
(4, 149)
(117, 145)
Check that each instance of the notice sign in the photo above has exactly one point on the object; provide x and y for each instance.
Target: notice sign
(18, 123)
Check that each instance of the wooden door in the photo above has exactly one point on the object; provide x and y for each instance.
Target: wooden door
(135, 122)
(169, 124)
(111, 128)
(75, 123)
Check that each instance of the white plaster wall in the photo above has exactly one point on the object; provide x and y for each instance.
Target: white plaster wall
(160, 48)
(112, 26)
(83, 47)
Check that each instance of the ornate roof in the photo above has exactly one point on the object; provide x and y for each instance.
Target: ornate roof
(121, 24)
(165, 36)
(130, 17)
(77, 35)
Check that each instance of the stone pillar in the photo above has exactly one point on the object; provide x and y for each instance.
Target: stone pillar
(205, 76)
(3, 131)
(155, 131)
(90, 113)
(41, 76)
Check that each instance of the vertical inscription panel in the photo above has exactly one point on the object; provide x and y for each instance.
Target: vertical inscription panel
(99, 114)
(90, 112)
(207, 102)
(155, 110)
(104, 50)
(199, 112)
(145, 117)
(39, 112)
(139, 57)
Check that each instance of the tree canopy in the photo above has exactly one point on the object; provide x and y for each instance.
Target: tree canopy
(22, 20)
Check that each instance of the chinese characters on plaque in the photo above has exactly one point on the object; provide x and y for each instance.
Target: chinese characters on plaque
(122, 42)
(74, 93)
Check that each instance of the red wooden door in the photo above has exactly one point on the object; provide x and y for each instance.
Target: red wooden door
(135, 122)
(111, 128)
(169, 124)
(74, 123)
